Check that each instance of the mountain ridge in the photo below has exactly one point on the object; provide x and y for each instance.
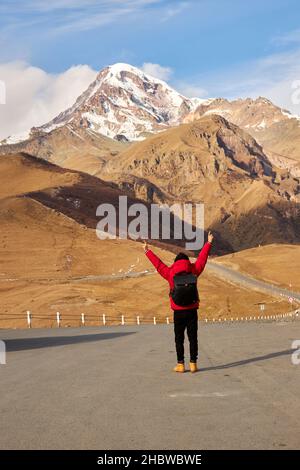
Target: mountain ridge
(125, 104)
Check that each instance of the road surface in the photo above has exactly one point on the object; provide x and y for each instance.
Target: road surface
(113, 388)
(248, 281)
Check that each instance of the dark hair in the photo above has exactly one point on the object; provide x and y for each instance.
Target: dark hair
(181, 256)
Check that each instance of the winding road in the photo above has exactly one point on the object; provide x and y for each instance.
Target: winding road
(250, 282)
(223, 272)
(219, 270)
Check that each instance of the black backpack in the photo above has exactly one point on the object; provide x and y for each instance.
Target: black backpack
(185, 290)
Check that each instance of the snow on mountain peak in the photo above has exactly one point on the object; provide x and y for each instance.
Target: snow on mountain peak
(130, 77)
(125, 102)
(120, 69)
(16, 138)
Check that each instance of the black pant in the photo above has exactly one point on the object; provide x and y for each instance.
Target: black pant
(186, 319)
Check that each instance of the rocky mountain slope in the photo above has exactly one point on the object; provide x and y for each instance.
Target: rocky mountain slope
(251, 194)
(122, 103)
(211, 160)
(73, 194)
(70, 147)
(276, 129)
(255, 115)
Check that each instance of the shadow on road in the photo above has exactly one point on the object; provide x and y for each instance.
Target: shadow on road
(51, 341)
(249, 361)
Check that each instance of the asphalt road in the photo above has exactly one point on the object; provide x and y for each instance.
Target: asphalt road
(249, 282)
(113, 388)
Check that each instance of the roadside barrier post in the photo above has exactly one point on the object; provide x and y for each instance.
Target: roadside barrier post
(123, 320)
(58, 319)
(138, 320)
(82, 319)
(103, 319)
(154, 320)
(28, 319)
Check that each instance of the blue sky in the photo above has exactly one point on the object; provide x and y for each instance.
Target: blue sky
(207, 48)
(193, 37)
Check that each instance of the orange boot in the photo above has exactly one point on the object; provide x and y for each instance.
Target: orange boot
(193, 367)
(179, 368)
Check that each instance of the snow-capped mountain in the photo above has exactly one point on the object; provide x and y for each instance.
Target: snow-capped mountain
(123, 103)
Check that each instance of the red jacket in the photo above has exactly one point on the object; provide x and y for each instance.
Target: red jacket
(168, 272)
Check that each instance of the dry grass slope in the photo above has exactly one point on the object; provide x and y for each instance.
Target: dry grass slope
(49, 254)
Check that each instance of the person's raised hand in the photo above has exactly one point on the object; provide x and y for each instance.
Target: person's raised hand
(210, 237)
(145, 245)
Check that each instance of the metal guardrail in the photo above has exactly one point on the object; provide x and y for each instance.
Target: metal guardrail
(104, 319)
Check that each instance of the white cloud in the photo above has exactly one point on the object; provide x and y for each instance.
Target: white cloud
(271, 76)
(157, 71)
(74, 15)
(34, 96)
(86, 22)
(40, 6)
(274, 79)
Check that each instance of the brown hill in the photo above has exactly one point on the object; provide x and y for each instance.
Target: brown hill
(70, 192)
(276, 264)
(247, 199)
(50, 262)
(281, 142)
(70, 147)
(74, 194)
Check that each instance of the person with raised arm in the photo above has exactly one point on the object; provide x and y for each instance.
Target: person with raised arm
(184, 299)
